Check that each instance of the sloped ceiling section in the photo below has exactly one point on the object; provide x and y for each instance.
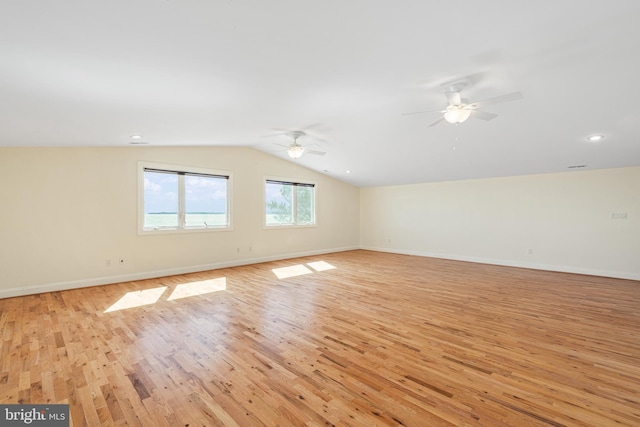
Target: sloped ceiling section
(244, 72)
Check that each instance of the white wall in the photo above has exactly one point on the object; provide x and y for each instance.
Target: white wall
(563, 218)
(65, 211)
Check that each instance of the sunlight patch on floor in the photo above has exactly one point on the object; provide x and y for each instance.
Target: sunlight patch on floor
(137, 299)
(291, 271)
(320, 266)
(300, 269)
(198, 288)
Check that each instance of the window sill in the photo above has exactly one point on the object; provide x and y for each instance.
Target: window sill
(176, 230)
(279, 227)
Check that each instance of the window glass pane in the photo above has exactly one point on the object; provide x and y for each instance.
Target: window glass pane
(205, 201)
(304, 205)
(160, 199)
(279, 205)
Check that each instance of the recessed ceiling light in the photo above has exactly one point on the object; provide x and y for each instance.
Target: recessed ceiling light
(348, 171)
(136, 136)
(594, 138)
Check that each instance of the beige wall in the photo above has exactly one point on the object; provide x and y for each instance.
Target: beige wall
(65, 211)
(553, 221)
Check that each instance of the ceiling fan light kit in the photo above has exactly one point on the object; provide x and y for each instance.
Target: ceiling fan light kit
(456, 114)
(295, 151)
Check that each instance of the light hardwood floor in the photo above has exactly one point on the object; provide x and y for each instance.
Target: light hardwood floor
(348, 339)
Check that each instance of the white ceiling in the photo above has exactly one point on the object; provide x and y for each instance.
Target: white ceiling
(229, 72)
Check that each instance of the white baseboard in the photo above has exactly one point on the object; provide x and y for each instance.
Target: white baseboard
(511, 263)
(105, 280)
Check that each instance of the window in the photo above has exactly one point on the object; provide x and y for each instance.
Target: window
(177, 198)
(289, 203)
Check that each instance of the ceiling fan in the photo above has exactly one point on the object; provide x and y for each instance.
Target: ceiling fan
(295, 150)
(460, 109)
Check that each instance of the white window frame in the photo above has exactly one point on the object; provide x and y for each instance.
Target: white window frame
(294, 181)
(181, 171)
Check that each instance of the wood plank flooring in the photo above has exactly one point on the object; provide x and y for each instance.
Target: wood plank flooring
(355, 338)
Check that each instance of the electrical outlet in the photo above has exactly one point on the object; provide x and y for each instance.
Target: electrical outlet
(107, 263)
(618, 215)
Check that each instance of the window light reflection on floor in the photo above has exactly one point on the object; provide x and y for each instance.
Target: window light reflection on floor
(198, 288)
(300, 269)
(320, 265)
(291, 271)
(137, 299)
(151, 296)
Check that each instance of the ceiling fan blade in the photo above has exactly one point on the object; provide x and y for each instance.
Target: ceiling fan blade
(318, 153)
(285, 132)
(302, 131)
(316, 138)
(514, 96)
(441, 119)
(454, 98)
(282, 145)
(483, 115)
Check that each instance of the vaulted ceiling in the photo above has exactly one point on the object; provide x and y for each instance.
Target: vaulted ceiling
(244, 72)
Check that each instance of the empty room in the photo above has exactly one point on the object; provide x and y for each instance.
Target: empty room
(319, 213)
